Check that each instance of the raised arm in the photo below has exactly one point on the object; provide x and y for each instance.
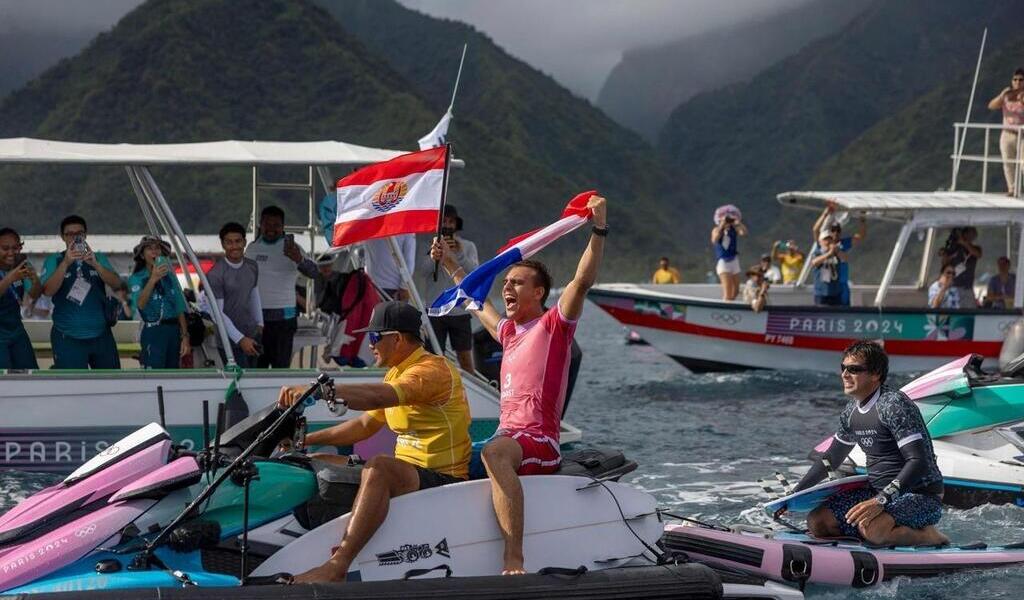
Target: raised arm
(997, 102)
(571, 302)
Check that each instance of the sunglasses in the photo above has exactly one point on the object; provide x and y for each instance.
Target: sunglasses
(376, 336)
(852, 369)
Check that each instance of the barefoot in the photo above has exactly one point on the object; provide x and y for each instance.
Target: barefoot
(513, 571)
(329, 572)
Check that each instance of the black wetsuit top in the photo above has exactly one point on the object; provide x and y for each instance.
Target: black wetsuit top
(891, 432)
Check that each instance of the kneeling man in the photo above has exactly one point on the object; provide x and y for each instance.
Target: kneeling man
(423, 401)
(903, 503)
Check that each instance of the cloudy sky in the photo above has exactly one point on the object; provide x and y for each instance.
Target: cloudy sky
(575, 41)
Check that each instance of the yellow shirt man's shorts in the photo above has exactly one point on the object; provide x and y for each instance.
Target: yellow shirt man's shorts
(431, 419)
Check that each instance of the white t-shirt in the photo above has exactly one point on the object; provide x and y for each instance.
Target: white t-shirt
(380, 264)
(278, 273)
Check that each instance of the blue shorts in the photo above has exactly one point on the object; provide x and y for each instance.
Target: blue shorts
(909, 510)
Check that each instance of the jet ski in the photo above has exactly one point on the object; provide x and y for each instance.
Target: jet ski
(791, 555)
(976, 420)
(147, 516)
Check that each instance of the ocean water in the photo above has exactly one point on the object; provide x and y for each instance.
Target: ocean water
(703, 441)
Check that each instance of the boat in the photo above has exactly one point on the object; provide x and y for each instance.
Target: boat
(57, 420)
(976, 420)
(153, 516)
(691, 324)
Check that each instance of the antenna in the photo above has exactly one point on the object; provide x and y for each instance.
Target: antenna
(160, 405)
(221, 409)
(967, 119)
(206, 424)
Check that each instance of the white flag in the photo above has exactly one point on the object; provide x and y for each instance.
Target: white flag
(438, 134)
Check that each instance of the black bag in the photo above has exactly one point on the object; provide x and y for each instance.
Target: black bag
(196, 328)
(111, 310)
(337, 486)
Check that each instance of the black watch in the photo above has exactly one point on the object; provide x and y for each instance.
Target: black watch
(600, 231)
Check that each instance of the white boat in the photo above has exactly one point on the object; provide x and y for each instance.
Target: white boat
(692, 324)
(57, 420)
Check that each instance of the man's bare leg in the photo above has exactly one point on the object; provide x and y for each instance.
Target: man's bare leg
(822, 523)
(383, 478)
(466, 360)
(883, 531)
(502, 457)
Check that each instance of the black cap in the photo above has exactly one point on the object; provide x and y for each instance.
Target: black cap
(394, 316)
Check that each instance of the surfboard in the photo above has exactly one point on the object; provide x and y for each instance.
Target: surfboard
(569, 522)
(807, 500)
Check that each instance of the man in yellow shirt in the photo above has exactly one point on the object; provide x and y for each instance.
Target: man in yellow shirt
(423, 401)
(665, 273)
(791, 260)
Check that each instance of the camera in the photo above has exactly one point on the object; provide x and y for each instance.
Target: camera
(729, 220)
(79, 244)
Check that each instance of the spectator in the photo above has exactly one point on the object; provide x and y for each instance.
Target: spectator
(828, 221)
(1002, 286)
(791, 260)
(351, 296)
(456, 326)
(279, 260)
(665, 273)
(826, 260)
(724, 237)
(961, 253)
(157, 296)
(75, 280)
(770, 271)
(17, 277)
(943, 293)
(1011, 102)
(234, 281)
(755, 290)
(383, 269)
(125, 312)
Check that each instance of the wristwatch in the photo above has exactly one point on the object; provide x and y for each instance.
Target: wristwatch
(600, 231)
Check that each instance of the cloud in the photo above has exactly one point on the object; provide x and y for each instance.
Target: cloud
(579, 41)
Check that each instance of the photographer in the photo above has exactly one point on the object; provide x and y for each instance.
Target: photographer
(724, 239)
(1011, 102)
(157, 296)
(280, 260)
(75, 279)
(826, 260)
(16, 278)
(961, 253)
(456, 326)
(755, 290)
(942, 294)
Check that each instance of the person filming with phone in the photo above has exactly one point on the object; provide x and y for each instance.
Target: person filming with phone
(279, 260)
(157, 297)
(455, 327)
(17, 278)
(76, 280)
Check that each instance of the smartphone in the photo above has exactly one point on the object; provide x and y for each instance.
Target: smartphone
(289, 238)
(79, 244)
(161, 261)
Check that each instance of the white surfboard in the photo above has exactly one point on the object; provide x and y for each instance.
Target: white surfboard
(568, 524)
(136, 441)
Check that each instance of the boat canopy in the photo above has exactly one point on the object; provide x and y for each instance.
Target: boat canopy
(226, 152)
(925, 209)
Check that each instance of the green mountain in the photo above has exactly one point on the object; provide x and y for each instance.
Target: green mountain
(522, 112)
(177, 71)
(648, 83)
(747, 142)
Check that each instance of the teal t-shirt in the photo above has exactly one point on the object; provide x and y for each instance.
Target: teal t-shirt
(84, 319)
(10, 308)
(166, 302)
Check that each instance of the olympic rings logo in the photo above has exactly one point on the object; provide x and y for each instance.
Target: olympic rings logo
(726, 318)
(91, 529)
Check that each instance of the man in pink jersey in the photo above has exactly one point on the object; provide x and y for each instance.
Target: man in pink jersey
(536, 346)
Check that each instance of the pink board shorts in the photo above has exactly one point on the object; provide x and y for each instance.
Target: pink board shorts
(541, 455)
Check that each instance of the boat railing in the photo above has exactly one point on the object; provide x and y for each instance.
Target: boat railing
(986, 156)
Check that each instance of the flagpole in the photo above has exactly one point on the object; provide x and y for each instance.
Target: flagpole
(444, 193)
(458, 77)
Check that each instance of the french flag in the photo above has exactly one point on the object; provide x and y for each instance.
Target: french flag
(402, 195)
(477, 284)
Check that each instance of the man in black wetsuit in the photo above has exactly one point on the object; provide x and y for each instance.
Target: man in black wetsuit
(902, 504)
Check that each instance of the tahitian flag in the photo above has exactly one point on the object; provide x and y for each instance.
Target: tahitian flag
(474, 287)
(402, 195)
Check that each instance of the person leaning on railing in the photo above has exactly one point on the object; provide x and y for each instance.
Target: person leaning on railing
(1011, 102)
